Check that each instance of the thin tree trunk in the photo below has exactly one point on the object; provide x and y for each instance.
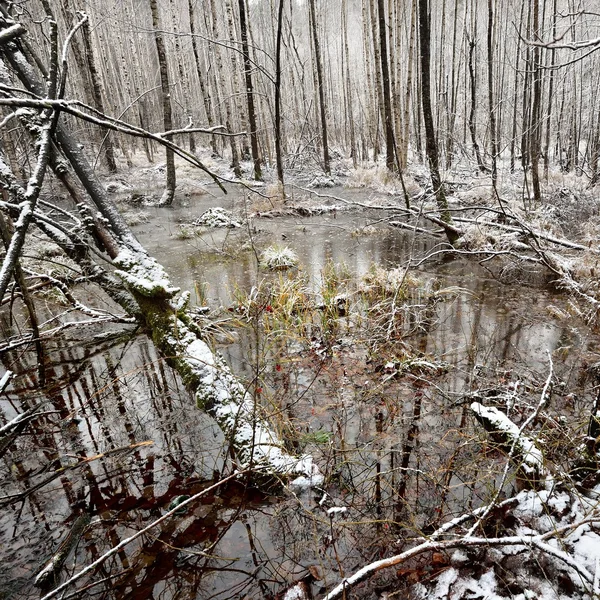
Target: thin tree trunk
(235, 157)
(169, 193)
(453, 92)
(380, 113)
(535, 129)
(513, 138)
(237, 96)
(348, 82)
(385, 80)
(473, 108)
(249, 92)
(204, 87)
(372, 95)
(183, 76)
(109, 152)
(320, 87)
(278, 156)
(430, 140)
(409, 85)
(490, 90)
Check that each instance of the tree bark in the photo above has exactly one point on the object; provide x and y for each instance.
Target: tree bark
(535, 126)
(492, 109)
(169, 193)
(204, 87)
(278, 156)
(385, 81)
(109, 152)
(430, 139)
(249, 93)
(320, 87)
(220, 73)
(473, 108)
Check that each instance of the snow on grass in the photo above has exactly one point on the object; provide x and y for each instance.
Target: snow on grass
(279, 257)
(217, 217)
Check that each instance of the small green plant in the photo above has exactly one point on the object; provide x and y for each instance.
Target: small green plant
(321, 436)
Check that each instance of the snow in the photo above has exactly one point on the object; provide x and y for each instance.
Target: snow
(533, 459)
(5, 379)
(217, 390)
(336, 510)
(217, 217)
(297, 592)
(444, 582)
(143, 274)
(324, 181)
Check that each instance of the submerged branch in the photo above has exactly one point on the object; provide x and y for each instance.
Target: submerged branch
(174, 511)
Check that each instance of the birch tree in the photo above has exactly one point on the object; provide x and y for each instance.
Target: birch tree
(169, 193)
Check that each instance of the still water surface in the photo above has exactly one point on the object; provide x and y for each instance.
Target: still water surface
(400, 451)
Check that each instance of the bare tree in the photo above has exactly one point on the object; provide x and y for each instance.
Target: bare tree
(320, 86)
(430, 139)
(169, 193)
(249, 92)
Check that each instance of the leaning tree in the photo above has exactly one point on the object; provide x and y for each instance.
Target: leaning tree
(90, 230)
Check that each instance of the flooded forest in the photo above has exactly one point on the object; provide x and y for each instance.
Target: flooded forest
(299, 299)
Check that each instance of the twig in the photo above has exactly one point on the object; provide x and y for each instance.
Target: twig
(136, 535)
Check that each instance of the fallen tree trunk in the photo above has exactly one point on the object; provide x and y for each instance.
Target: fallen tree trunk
(527, 456)
(163, 312)
(204, 372)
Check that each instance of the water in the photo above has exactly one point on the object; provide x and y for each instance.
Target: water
(400, 450)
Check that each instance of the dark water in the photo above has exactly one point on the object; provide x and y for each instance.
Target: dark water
(399, 451)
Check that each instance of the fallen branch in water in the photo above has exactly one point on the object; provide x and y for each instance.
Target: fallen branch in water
(47, 577)
(174, 511)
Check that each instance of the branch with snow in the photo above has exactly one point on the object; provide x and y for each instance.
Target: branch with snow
(568, 546)
(205, 372)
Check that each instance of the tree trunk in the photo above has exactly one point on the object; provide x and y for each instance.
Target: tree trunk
(348, 85)
(249, 92)
(535, 127)
(473, 108)
(109, 152)
(550, 94)
(183, 76)
(320, 87)
(385, 80)
(235, 157)
(204, 87)
(278, 156)
(409, 85)
(491, 107)
(430, 139)
(235, 80)
(169, 193)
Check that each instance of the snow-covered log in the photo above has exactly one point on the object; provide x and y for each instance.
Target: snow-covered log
(524, 451)
(205, 372)
(162, 308)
